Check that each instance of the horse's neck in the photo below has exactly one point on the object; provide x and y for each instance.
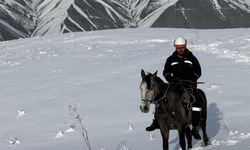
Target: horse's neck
(170, 103)
(158, 99)
(163, 87)
(165, 110)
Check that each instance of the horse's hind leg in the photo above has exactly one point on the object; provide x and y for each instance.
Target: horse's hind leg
(203, 126)
(204, 118)
(205, 137)
(196, 118)
(189, 137)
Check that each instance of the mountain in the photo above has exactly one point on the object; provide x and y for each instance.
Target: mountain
(86, 15)
(17, 18)
(205, 14)
(25, 18)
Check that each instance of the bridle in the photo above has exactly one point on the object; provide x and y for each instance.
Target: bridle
(156, 99)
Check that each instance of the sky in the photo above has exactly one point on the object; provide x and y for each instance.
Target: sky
(97, 75)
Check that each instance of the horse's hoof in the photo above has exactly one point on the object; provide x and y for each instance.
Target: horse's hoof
(196, 135)
(207, 142)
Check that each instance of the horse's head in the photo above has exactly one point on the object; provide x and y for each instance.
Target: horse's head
(149, 90)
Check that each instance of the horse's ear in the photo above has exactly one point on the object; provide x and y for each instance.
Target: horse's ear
(143, 73)
(155, 74)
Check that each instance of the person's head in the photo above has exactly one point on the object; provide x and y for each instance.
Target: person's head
(180, 45)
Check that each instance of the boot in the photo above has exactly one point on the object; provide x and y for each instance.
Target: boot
(153, 126)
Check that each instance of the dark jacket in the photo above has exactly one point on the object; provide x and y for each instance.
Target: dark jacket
(185, 68)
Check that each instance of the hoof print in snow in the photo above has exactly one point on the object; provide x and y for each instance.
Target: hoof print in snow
(21, 113)
(70, 129)
(213, 86)
(130, 126)
(151, 137)
(14, 141)
(59, 134)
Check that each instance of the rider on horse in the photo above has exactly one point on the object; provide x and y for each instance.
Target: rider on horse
(184, 65)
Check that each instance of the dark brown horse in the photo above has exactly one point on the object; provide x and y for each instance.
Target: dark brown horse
(173, 107)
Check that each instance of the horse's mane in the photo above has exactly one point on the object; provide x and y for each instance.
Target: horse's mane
(176, 85)
(147, 78)
(161, 82)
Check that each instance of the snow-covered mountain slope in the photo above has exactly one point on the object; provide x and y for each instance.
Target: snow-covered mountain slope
(24, 18)
(99, 73)
(17, 18)
(81, 15)
(205, 14)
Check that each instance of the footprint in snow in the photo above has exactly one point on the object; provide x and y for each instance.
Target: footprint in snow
(233, 139)
(59, 134)
(14, 141)
(151, 137)
(69, 130)
(214, 86)
(130, 126)
(21, 113)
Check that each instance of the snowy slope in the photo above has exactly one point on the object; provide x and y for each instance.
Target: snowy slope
(99, 73)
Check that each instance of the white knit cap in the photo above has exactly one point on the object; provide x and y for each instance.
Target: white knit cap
(180, 41)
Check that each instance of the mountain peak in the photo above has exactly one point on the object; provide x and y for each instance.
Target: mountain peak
(25, 18)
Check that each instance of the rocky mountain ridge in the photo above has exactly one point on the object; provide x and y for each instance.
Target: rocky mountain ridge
(26, 18)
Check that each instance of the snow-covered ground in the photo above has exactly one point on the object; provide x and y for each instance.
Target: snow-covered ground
(99, 74)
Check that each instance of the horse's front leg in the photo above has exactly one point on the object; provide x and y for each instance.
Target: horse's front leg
(165, 136)
(189, 136)
(182, 138)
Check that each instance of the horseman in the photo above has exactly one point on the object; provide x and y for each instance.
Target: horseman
(184, 65)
